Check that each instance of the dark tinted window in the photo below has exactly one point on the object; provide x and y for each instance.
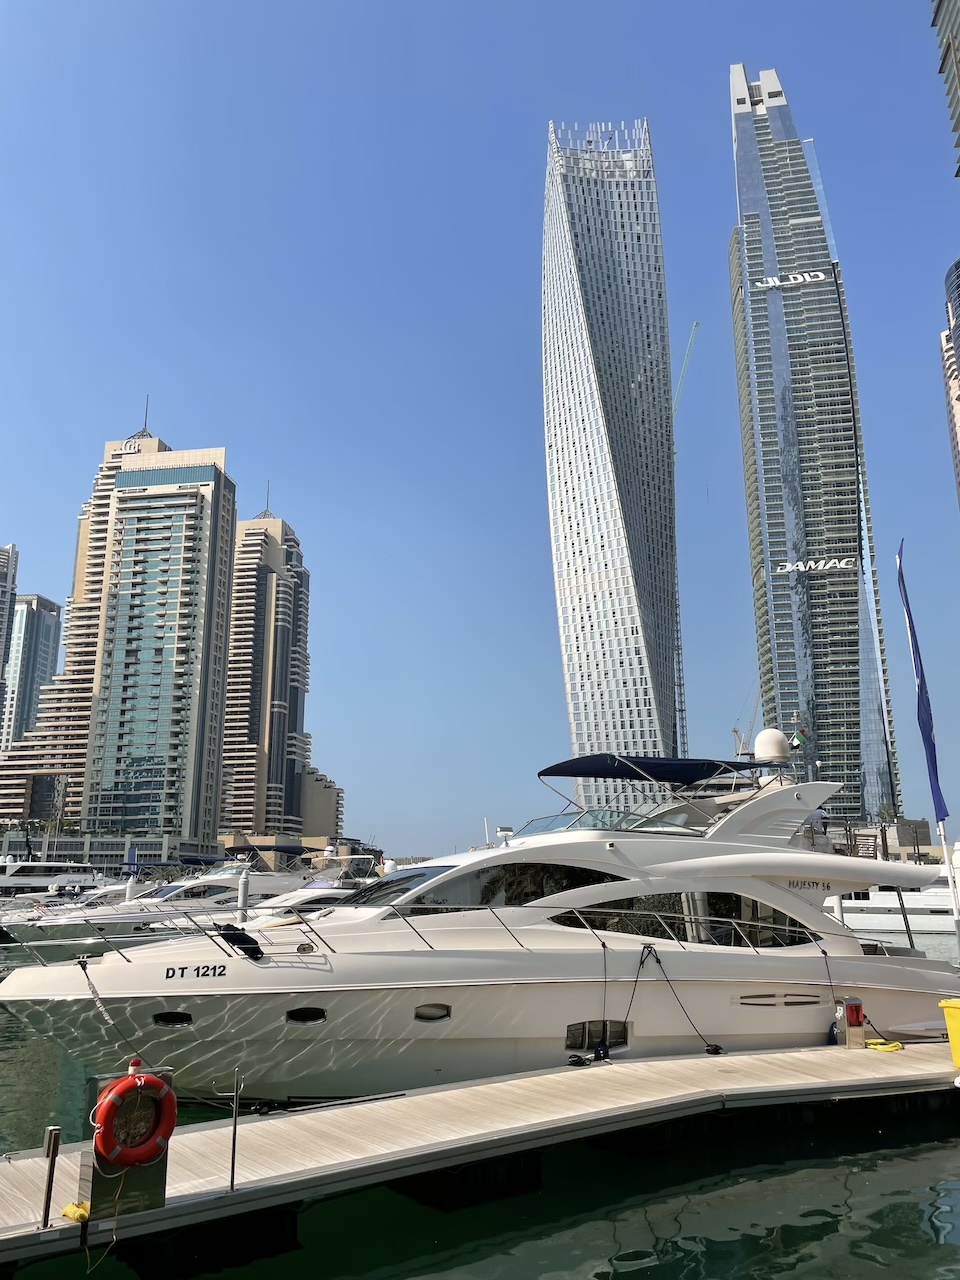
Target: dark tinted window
(390, 887)
(729, 920)
(511, 885)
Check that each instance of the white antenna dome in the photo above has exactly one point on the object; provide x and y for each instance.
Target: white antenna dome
(771, 745)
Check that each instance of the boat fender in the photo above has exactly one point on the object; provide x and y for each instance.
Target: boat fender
(578, 1060)
(108, 1145)
(241, 941)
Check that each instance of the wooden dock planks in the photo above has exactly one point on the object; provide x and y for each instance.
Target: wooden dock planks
(306, 1154)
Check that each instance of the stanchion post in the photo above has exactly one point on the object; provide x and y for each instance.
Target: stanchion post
(51, 1149)
(235, 1095)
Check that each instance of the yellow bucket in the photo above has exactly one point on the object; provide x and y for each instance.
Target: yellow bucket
(951, 1012)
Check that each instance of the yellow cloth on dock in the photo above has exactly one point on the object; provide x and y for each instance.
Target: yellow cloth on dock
(884, 1046)
(77, 1212)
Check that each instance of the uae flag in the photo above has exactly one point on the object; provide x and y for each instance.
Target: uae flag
(798, 739)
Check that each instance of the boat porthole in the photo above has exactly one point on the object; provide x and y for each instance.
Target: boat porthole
(305, 948)
(173, 1018)
(432, 1012)
(306, 1014)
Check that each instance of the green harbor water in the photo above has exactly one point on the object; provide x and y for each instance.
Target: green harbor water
(755, 1204)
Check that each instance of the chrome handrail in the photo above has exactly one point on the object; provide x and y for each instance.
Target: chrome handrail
(672, 926)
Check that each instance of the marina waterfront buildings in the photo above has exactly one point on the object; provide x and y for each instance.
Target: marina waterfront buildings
(34, 650)
(946, 20)
(128, 738)
(266, 752)
(609, 446)
(950, 355)
(8, 598)
(823, 669)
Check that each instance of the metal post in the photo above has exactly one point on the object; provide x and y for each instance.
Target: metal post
(951, 881)
(885, 850)
(243, 897)
(235, 1094)
(51, 1149)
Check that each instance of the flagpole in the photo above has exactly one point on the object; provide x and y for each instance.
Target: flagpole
(925, 722)
(951, 881)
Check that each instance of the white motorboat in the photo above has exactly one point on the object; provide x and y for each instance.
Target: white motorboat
(62, 898)
(88, 928)
(697, 926)
(114, 915)
(23, 877)
(880, 911)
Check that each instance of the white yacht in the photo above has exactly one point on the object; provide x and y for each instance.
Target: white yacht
(880, 910)
(698, 926)
(59, 897)
(23, 877)
(122, 915)
(91, 927)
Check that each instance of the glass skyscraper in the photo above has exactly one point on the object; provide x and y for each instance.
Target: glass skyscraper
(946, 20)
(154, 756)
(609, 446)
(950, 355)
(8, 598)
(823, 671)
(34, 650)
(266, 751)
(128, 738)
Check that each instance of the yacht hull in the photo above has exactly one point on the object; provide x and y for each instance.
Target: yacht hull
(326, 1026)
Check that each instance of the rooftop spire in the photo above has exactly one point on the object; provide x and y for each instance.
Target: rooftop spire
(266, 513)
(143, 433)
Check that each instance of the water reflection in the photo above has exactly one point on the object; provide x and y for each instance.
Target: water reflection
(39, 1085)
(605, 1211)
(889, 1214)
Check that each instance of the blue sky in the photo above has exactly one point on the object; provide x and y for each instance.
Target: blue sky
(311, 231)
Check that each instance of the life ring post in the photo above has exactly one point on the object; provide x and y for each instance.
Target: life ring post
(125, 1168)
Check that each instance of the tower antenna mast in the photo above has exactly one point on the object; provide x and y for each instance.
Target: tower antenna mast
(681, 696)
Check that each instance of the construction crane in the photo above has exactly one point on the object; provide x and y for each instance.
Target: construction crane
(680, 693)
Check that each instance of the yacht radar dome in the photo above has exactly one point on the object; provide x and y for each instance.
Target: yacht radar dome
(771, 747)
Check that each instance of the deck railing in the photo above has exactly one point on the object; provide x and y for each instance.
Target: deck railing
(304, 932)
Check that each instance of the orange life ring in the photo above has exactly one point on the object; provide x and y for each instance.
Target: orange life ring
(105, 1141)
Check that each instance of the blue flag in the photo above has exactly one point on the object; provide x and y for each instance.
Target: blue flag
(924, 714)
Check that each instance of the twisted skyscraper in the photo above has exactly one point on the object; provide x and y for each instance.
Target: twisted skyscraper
(609, 445)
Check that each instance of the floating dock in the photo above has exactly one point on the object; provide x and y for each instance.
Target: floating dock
(292, 1157)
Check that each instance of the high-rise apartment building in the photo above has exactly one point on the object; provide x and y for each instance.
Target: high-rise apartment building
(266, 752)
(950, 355)
(609, 446)
(946, 20)
(8, 598)
(823, 671)
(128, 738)
(34, 649)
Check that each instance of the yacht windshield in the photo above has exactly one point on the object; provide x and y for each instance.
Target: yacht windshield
(579, 820)
(389, 888)
(194, 889)
(615, 820)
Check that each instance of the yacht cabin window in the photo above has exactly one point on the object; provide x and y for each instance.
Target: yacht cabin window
(721, 919)
(509, 885)
(389, 888)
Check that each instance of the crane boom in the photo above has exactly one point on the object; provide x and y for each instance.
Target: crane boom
(683, 367)
(680, 688)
